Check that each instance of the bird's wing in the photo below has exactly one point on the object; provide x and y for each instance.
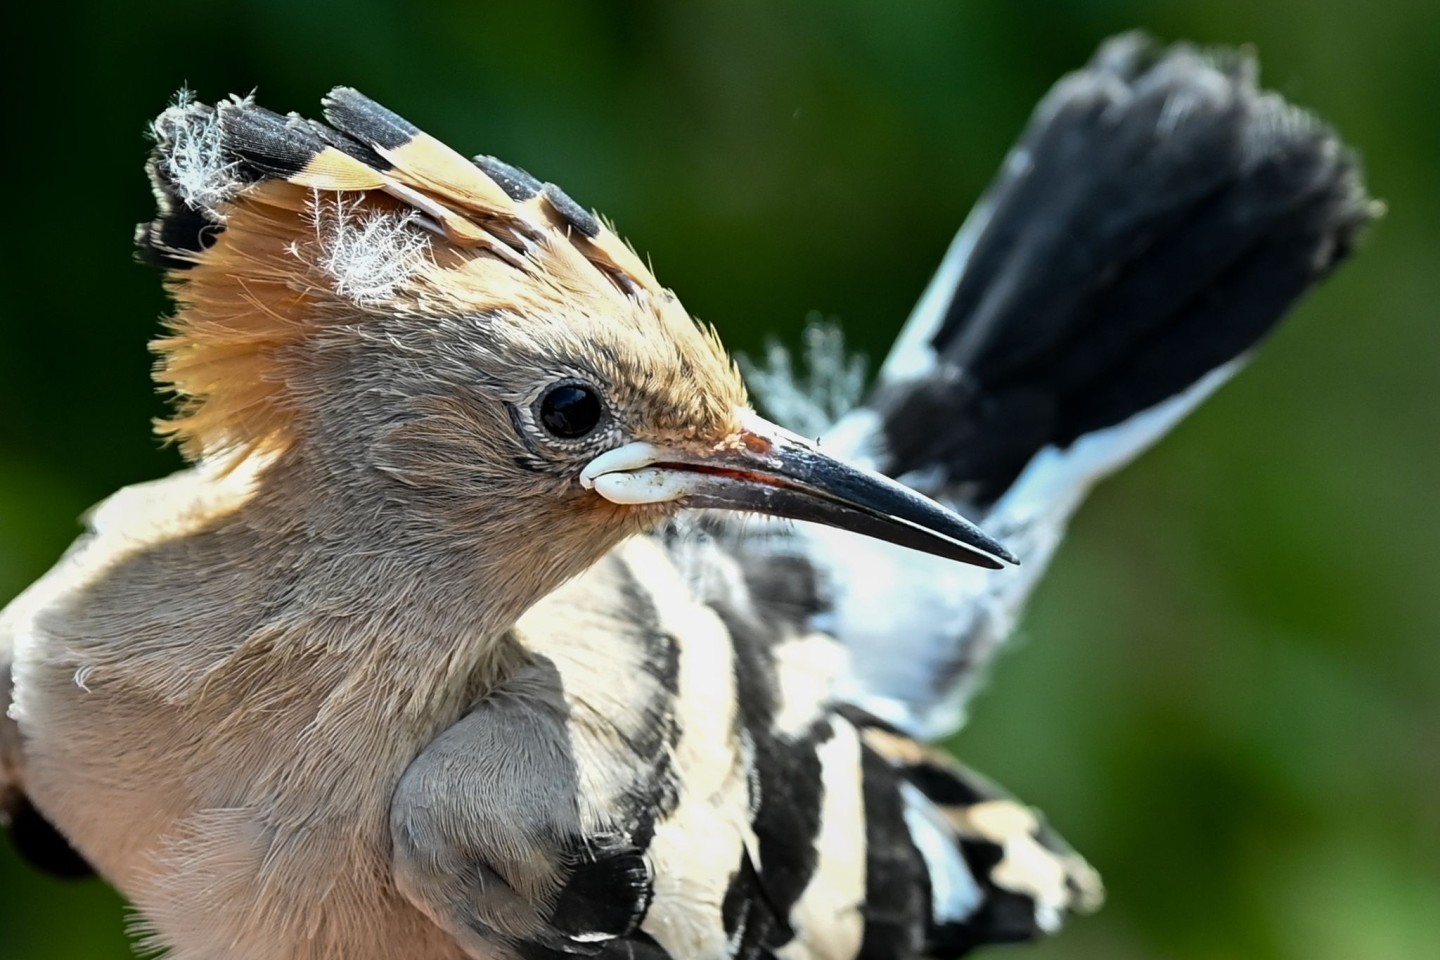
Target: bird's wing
(33, 837)
(124, 522)
(489, 835)
(770, 822)
(1157, 218)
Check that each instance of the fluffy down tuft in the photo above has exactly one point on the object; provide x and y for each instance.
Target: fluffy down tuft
(189, 155)
(370, 254)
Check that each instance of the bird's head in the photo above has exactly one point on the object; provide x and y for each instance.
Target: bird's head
(462, 345)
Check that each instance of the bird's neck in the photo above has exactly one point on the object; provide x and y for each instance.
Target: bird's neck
(367, 583)
(381, 587)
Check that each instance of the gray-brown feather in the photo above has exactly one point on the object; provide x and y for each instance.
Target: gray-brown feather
(487, 832)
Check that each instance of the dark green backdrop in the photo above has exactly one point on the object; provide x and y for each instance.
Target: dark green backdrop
(1228, 694)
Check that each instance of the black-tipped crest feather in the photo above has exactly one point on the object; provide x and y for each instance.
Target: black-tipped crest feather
(266, 143)
(353, 113)
(517, 183)
(574, 214)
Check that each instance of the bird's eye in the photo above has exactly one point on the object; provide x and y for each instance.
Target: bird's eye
(570, 410)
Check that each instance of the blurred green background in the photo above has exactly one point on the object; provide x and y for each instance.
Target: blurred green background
(1228, 694)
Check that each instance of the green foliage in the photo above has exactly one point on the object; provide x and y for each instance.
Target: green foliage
(1228, 696)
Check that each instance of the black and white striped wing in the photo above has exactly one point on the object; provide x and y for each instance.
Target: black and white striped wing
(772, 823)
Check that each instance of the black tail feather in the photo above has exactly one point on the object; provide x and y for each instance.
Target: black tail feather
(1156, 220)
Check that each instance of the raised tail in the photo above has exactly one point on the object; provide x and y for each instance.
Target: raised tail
(1157, 218)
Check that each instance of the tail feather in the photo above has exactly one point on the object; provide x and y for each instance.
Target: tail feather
(1158, 217)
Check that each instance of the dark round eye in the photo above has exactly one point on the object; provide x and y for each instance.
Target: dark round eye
(570, 410)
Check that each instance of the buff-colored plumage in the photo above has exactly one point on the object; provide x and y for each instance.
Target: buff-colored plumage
(366, 527)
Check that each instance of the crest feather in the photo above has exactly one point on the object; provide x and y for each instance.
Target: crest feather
(273, 224)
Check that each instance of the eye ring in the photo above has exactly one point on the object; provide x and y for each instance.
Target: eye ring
(569, 409)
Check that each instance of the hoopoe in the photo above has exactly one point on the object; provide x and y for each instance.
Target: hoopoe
(430, 654)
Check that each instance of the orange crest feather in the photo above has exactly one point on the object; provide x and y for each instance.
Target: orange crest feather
(273, 225)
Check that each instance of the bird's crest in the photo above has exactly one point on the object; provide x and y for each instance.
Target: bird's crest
(273, 226)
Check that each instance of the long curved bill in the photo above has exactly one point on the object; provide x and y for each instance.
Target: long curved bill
(766, 469)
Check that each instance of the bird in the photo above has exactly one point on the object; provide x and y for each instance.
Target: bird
(490, 619)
